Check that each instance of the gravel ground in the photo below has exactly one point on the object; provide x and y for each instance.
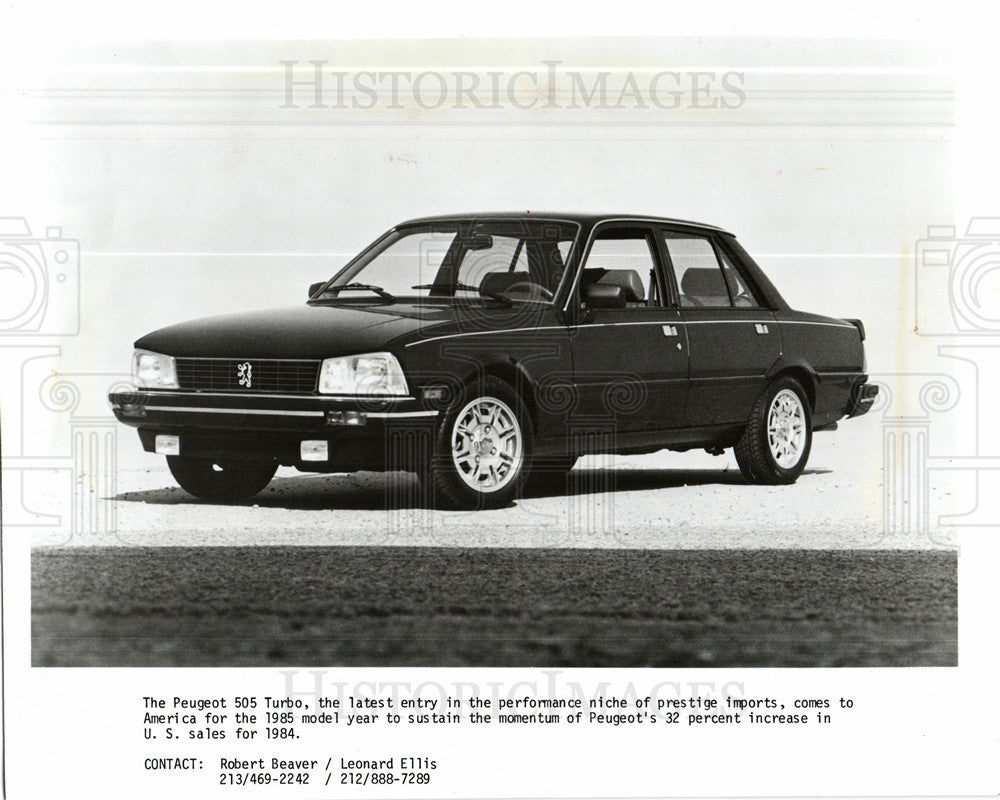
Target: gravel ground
(665, 500)
(254, 606)
(666, 559)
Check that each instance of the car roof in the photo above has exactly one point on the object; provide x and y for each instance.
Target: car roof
(580, 217)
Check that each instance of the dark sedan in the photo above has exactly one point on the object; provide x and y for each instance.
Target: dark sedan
(482, 351)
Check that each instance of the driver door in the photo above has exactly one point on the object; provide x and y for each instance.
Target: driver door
(630, 364)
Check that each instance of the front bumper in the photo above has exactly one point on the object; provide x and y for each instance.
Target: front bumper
(360, 433)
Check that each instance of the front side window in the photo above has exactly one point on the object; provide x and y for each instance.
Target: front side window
(624, 257)
(524, 261)
(703, 279)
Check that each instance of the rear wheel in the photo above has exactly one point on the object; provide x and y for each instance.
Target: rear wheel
(225, 480)
(775, 446)
(482, 448)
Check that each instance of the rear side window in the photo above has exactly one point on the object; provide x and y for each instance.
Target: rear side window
(705, 280)
(739, 289)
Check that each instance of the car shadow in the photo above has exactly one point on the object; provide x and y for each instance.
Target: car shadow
(373, 491)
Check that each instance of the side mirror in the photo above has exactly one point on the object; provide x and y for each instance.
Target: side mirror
(316, 287)
(604, 295)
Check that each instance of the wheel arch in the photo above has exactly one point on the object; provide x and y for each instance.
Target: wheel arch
(516, 376)
(802, 373)
(511, 372)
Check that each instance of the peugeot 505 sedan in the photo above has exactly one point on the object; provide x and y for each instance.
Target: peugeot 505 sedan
(483, 351)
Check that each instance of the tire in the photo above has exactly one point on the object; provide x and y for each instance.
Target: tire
(550, 472)
(482, 450)
(228, 480)
(775, 446)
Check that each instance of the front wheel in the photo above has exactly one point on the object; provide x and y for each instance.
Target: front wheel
(482, 448)
(226, 480)
(775, 446)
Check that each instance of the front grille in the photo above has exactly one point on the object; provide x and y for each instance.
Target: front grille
(265, 375)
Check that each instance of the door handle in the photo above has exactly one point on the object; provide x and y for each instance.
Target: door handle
(761, 328)
(670, 330)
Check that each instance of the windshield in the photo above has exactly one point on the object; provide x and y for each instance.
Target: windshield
(505, 260)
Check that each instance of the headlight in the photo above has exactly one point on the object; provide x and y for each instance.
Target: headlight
(367, 374)
(154, 371)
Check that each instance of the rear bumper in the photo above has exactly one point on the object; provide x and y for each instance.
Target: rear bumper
(862, 398)
(360, 433)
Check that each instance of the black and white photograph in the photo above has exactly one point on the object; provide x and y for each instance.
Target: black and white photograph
(426, 412)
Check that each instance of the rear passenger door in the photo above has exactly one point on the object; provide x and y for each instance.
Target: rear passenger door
(630, 364)
(732, 338)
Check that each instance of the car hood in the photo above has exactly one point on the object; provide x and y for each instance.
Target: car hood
(314, 331)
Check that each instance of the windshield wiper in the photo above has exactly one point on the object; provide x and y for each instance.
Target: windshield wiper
(465, 287)
(360, 287)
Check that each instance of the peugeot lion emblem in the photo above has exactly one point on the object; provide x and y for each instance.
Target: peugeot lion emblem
(244, 372)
